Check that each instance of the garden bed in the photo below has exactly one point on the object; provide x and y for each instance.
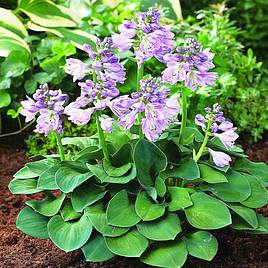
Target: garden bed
(18, 250)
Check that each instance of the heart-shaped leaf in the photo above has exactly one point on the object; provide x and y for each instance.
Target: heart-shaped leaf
(121, 212)
(96, 250)
(202, 244)
(207, 212)
(211, 175)
(146, 209)
(32, 223)
(131, 244)
(180, 198)
(69, 236)
(23, 186)
(167, 255)
(165, 228)
(149, 161)
(47, 180)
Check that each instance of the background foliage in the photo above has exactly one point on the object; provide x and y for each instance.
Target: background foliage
(38, 45)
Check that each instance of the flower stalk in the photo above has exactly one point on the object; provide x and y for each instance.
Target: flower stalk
(183, 112)
(60, 147)
(139, 77)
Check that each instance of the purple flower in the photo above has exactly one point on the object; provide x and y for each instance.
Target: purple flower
(79, 116)
(219, 158)
(147, 37)
(152, 102)
(227, 137)
(200, 121)
(48, 104)
(76, 68)
(106, 124)
(190, 64)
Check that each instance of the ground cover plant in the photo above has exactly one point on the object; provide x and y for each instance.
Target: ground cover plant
(146, 185)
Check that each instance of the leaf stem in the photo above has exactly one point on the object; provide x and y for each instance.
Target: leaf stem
(183, 112)
(60, 147)
(18, 131)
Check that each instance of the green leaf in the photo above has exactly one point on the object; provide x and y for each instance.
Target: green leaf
(85, 195)
(32, 223)
(146, 209)
(97, 216)
(210, 175)
(12, 23)
(259, 195)
(202, 245)
(116, 171)
(5, 98)
(47, 180)
(237, 188)
(45, 13)
(10, 42)
(47, 207)
(259, 170)
(121, 212)
(187, 170)
(180, 198)
(118, 137)
(247, 214)
(167, 255)
(25, 173)
(76, 36)
(91, 152)
(68, 213)
(18, 58)
(122, 156)
(96, 250)
(63, 49)
(38, 167)
(164, 228)
(68, 178)
(81, 142)
(207, 212)
(69, 236)
(149, 161)
(131, 244)
(14, 113)
(23, 186)
(5, 83)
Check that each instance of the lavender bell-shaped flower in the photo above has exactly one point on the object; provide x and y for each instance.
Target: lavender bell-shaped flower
(48, 104)
(190, 64)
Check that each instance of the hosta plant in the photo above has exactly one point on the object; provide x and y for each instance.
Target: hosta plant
(146, 185)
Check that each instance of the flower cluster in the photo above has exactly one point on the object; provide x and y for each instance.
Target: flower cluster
(216, 125)
(49, 104)
(190, 64)
(103, 62)
(146, 36)
(156, 110)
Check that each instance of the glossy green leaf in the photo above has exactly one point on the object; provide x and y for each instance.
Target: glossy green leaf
(32, 223)
(121, 212)
(131, 244)
(116, 171)
(149, 161)
(23, 186)
(68, 178)
(85, 195)
(81, 142)
(164, 228)
(259, 195)
(38, 167)
(167, 255)
(247, 214)
(258, 169)
(207, 212)
(202, 245)
(25, 173)
(45, 13)
(236, 189)
(122, 156)
(47, 207)
(47, 180)
(211, 175)
(147, 209)
(97, 215)
(68, 213)
(69, 236)
(180, 198)
(96, 250)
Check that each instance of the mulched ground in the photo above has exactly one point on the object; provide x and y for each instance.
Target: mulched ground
(236, 250)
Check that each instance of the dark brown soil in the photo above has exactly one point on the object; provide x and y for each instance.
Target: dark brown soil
(236, 250)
